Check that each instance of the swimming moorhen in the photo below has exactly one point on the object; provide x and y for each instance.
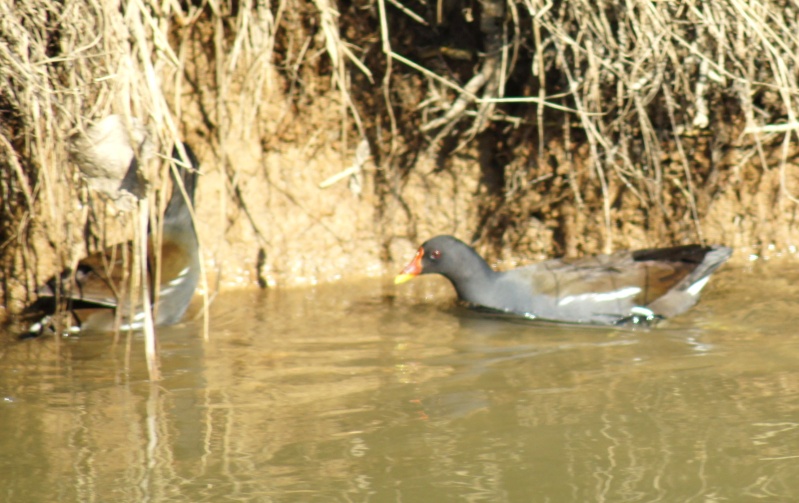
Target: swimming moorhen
(95, 292)
(625, 287)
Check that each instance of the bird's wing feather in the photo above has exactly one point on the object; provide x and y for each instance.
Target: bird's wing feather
(614, 276)
(99, 279)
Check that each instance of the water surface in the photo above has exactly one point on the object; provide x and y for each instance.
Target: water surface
(369, 392)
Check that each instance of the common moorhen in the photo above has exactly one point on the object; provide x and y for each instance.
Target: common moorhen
(625, 287)
(95, 292)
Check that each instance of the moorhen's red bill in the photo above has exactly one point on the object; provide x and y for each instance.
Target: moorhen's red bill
(628, 286)
(96, 292)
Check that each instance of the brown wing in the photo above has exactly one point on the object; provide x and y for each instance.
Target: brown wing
(100, 279)
(642, 278)
(175, 257)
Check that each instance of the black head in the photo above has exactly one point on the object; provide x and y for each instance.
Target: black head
(447, 256)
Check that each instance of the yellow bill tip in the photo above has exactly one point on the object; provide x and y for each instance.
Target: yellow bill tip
(402, 278)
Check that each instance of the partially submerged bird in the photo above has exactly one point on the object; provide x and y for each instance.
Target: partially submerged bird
(625, 287)
(95, 295)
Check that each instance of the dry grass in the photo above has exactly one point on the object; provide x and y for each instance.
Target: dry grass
(639, 102)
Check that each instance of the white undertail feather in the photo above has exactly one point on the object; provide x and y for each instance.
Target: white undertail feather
(698, 286)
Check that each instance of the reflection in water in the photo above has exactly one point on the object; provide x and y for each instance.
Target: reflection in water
(361, 392)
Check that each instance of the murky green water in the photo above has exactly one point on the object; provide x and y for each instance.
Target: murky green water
(366, 392)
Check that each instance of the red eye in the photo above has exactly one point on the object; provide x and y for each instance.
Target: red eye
(435, 255)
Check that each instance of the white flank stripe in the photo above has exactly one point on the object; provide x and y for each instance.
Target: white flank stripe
(601, 297)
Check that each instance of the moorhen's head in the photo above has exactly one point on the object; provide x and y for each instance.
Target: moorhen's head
(445, 255)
